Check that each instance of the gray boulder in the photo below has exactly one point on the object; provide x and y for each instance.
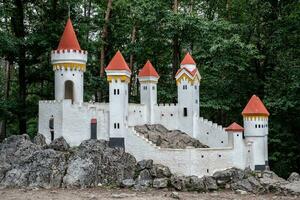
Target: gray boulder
(294, 177)
(43, 168)
(81, 172)
(93, 163)
(160, 182)
(195, 184)
(144, 164)
(271, 182)
(231, 175)
(291, 188)
(40, 140)
(59, 144)
(179, 182)
(210, 183)
(127, 183)
(165, 138)
(160, 171)
(144, 179)
(16, 149)
(250, 184)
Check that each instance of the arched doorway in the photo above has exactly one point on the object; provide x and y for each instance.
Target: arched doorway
(69, 90)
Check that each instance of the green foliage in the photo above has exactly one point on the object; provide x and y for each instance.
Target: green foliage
(241, 47)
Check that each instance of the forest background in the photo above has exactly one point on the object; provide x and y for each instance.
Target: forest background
(242, 47)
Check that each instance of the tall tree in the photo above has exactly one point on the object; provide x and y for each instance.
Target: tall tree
(104, 36)
(19, 31)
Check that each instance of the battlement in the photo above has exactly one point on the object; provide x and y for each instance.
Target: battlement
(68, 56)
(167, 105)
(212, 124)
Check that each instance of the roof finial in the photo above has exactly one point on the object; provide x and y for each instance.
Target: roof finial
(69, 10)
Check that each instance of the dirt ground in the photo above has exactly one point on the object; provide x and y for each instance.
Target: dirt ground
(105, 193)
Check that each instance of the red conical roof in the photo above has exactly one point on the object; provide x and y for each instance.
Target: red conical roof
(188, 60)
(255, 107)
(118, 63)
(68, 39)
(235, 127)
(148, 70)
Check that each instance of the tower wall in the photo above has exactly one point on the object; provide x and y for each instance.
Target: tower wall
(118, 107)
(148, 93)
(69, 66)
(256, 129)
(75, 76)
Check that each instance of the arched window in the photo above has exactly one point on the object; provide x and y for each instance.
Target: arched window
(69, 90)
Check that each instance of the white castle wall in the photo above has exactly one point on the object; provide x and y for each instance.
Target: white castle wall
(211, 133)
(167, 115)
(72, 121)
(190, 161)
(137, 114)
(46, 110)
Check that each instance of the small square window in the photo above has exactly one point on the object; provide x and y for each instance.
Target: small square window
(153, 87)
(202, 156)
(222, 142)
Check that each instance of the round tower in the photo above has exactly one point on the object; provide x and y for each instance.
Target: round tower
(118, 76)
(188, 87)
(69, 64)
(255, 116)
(148, 78)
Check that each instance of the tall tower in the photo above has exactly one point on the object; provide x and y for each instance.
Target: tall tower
(188, 86)
(255, 116)
(148, 78)
(118, 76)
(69, 64)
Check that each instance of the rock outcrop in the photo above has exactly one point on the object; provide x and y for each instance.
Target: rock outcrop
(165, 138)
(26, 164)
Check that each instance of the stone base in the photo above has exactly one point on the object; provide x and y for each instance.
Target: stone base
(260, 167)
(116, 142)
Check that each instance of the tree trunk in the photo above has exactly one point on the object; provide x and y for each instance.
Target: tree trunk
(104, 36)
(6, 96)
(131, 59)
(176, 47)
(19, 31)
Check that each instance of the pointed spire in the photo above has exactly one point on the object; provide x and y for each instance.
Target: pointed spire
(118, 63)
(148, 70)
(188, 60)
(255, 107)
(68, 39)
(234, 127)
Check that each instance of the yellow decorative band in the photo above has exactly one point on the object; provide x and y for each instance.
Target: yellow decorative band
(186, 77)
(123, 78)
(72, 66)
(255, 117)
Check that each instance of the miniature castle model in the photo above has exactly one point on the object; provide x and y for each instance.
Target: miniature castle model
(75, 120)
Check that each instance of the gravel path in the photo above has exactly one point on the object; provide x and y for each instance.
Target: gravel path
(105, 193)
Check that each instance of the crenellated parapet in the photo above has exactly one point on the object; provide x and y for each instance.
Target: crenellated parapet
(69, 59)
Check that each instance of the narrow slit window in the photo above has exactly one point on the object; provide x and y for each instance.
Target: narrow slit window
(185, 112)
